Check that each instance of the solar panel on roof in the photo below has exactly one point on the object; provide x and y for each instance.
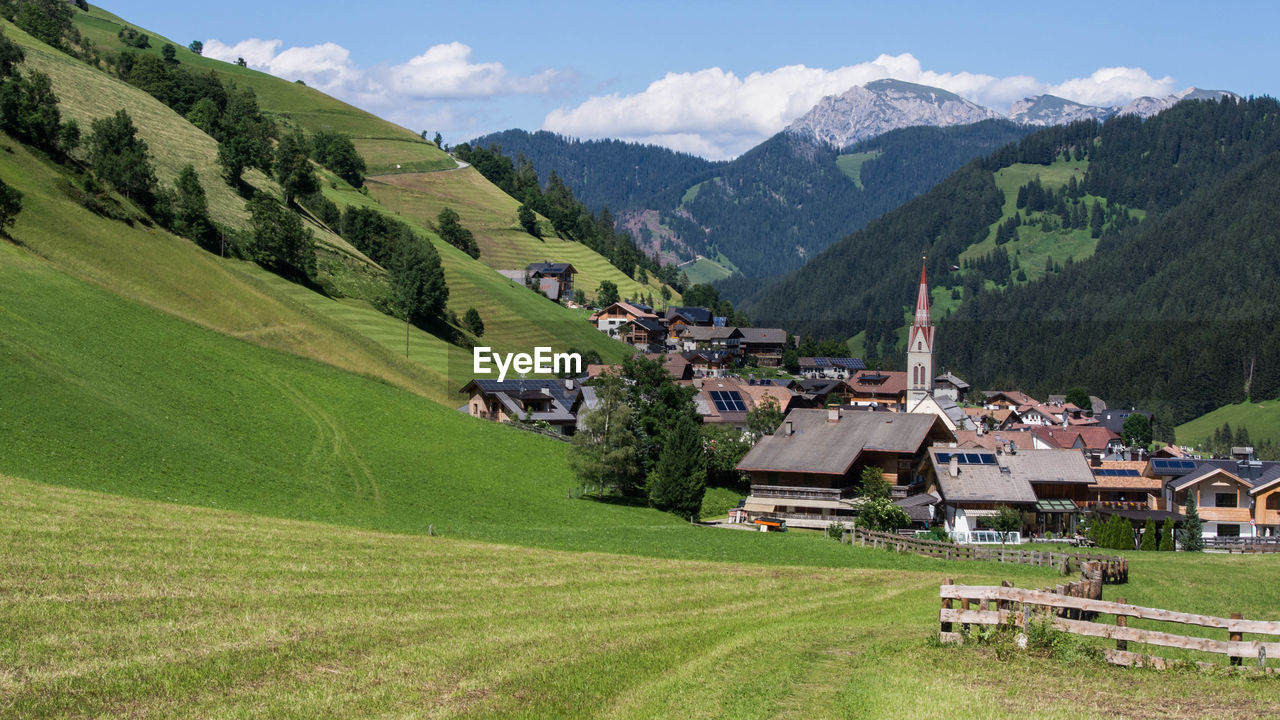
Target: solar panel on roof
(968, 458)
(728, 401)
(1170, 466)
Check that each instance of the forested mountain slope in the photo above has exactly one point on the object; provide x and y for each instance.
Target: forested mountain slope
(1170, 313)
(771, 208)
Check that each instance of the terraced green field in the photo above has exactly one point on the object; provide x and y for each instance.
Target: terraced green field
(491, 215)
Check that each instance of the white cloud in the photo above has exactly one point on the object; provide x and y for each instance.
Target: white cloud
(443, 72)
(256, 53)
(1113, 86)
(718, 115)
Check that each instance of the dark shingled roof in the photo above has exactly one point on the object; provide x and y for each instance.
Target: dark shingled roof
(819, 446)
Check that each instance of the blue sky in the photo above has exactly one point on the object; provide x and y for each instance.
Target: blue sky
(716, 79)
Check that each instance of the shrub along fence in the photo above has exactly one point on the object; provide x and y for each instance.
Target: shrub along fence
(1109, 569)
(1015, 607)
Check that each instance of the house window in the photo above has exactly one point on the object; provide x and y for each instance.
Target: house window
(1224, 500)
(1228, 530)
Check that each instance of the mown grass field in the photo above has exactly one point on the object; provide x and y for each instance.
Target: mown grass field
(706, 270)
(121, 607)
(1261, 418)
(491, 215)
(173, 276)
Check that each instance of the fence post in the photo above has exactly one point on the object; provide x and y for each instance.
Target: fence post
(1236, 637)
(1122, 621)
(946, 605)
(1004, 604)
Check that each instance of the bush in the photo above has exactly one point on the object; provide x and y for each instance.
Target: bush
(835, 530)
(1149, 532)
(881, 514)
(1166, 536)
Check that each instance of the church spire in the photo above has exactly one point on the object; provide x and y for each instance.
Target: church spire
(922, 302)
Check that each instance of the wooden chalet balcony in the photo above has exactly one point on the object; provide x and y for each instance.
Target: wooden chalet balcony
(1115, 505)
(1269, 517)
(790, 492)
(810, 516)
(1217, 514)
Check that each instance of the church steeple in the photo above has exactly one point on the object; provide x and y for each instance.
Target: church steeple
(920, 347)
(922, 302)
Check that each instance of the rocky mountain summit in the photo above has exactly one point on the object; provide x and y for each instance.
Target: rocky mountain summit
(883, 105)
(867, 111)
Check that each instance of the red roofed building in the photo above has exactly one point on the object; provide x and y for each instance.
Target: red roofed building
(1079, 437)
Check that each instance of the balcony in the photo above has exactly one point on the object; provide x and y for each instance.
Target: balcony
(790, 492)
(1115, 505)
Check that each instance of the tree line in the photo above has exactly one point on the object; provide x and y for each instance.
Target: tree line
(570, 218)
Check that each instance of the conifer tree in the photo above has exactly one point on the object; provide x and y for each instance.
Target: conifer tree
(1191, 535)
(678, 480)
(1149, 541)
(1166, 536)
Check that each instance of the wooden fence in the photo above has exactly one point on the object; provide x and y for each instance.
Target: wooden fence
(1244, 544)
(1108, 568)
(1007, 605)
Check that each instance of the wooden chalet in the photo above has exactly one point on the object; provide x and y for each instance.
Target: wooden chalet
(553, 279)
(879, 387)
(807, 471)
(609, 319)
(645, 334)
(552, 401)
(764, 344)
(726, 339)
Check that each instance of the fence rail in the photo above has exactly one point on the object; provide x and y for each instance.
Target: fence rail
(1007, 605)
(1244, 544)
(1109, 569)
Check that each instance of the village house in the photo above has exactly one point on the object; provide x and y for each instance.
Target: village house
(645, 334)
(1084, 438)
(553, 279)
(807, 471)
(878, 387)
(1046, 485)
(728, 400)
(830, 367)
(609, 319)
(1011, 399)
(555, 402)
(708, 363)
(764, 344)
(726, 339)
(949, 386)
(820, 392)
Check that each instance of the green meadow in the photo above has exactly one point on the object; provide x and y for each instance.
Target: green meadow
(226, 495)
(1261, 418)
(122, 607)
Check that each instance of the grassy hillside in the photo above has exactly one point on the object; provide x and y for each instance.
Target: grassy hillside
(187, 282)
(490, 215)
(383, 144)
(167, 611)
(172, 275)
(1262, 419)
(102, 393)
(1033, 245)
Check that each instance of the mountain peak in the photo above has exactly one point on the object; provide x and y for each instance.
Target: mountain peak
(883, 105)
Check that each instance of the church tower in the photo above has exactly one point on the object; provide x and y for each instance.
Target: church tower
(920, 349)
